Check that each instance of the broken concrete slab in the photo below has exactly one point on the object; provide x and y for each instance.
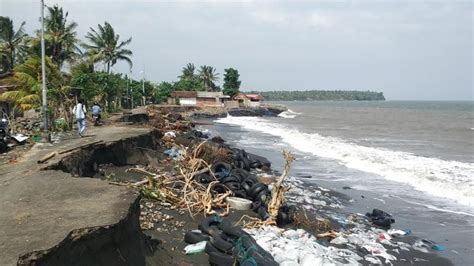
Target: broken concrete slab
(50, 217)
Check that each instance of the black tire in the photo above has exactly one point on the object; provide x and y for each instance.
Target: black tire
(261, 159)
(217, 258)
(263, 213)
(204, 178)
(238, 164)
(256, 205)
(210, 248)
(256, 164)
(221, 169)
(194, 237)
(248, 183)
(206, 225)
(263, 195)
(240, 193)
(219, 188)
(256, 189)
(246, 164)
(239, 154)
(231, 230)
(230, 178)
(240, 173)
(233, 186)
(220, 243)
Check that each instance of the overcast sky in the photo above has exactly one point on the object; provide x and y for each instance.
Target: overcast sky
(410, 50)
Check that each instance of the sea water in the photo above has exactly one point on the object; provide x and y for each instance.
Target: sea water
(418, 154)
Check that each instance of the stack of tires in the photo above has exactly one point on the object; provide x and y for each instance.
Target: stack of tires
(228, 244)
(236, 177)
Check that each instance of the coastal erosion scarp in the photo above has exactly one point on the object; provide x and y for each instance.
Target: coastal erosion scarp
(49, 217)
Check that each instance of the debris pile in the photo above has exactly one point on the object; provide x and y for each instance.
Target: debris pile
(26, 126)
(226, 244)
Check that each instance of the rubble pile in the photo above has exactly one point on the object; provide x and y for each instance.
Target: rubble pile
(26, 126)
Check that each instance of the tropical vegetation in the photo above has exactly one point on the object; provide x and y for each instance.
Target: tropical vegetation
(12, 43)
(105, 46)
(231, 82)
(322, 95)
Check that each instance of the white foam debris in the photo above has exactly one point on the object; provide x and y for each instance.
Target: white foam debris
(298, 247)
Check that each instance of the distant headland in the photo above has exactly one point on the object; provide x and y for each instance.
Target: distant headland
(322, 95)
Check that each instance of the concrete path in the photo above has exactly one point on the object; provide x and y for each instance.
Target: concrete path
(39, 208)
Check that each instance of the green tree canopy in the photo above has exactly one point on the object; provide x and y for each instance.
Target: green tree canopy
(163, 91)
(60, 36)
(231, 82)
(11, 43)
(105, 46)
(27, 81)
(208, 75)
(188, 72)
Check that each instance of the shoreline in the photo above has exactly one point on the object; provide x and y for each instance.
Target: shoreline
(346, 195)
(169, 224)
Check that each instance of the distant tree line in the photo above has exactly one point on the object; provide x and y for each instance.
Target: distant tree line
(322, 95)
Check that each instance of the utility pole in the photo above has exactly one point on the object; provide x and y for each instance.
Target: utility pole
(43, 71)
(131, 89)
(143, 87)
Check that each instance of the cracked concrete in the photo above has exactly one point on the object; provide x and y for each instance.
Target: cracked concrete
(40, 208)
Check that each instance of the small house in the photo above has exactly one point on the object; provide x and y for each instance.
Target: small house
(185, 98)
(199, 98)
(211, 99)
(249, 100)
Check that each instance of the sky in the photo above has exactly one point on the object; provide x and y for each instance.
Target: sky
(410, 50)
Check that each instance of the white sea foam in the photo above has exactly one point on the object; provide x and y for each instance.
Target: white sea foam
(289, 114)
(449, 179)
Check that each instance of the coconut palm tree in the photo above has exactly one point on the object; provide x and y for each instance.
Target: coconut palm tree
(60, 36)
(105, 46)
(208, 76)
(11, 42)
(27, 81)
(188, 72)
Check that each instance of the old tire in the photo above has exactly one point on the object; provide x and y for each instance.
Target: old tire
(195, 237)
(209, 224)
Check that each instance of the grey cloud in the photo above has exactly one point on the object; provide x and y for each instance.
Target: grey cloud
(408, 49)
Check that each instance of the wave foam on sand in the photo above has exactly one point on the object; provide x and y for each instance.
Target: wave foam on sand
(448, 179)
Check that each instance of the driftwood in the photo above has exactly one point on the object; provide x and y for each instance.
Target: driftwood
(47, 157)
(278, 192)
(182, 190)
(157, 176)
(278, 196)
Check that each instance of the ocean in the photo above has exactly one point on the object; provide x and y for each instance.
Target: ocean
(412, 159)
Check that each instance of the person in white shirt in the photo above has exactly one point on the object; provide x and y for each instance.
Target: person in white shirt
(80, 113)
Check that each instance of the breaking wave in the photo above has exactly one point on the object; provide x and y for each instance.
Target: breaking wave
(289, 114)
(448, 179)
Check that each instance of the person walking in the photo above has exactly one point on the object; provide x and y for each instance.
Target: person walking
(80, 113)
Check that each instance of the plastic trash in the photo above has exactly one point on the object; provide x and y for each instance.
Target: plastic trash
(170, 134)
(380, 218)
(438, 247)
(173, 153)
(195, 248)
(397, 232)
(384, 236)
(239, 203)
(340, 240)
